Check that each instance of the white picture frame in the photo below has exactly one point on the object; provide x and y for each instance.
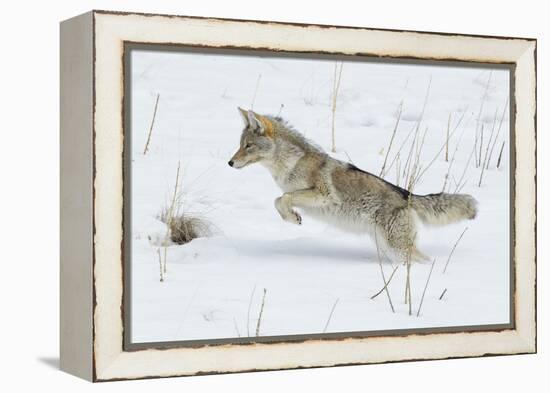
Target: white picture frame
(92, 202)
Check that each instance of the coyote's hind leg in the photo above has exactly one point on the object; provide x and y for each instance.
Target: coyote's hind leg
(401, 233)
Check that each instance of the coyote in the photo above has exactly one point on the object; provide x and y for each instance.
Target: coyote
(338, 192)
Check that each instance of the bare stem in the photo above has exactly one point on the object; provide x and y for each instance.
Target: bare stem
(498, 132)
(386, 284)
(330, 315)
(500, 154)
(447, 139)
(425, 287)
(336, 88)
(400, 110)
(236, 327)
(465, 169)
(160, 265)
(151, 126)
(171, 211)
(261, 314)
(478, 123)
(453, 250)
(443, 294)
(483, 167)
(382, 271)
(440, 150)
(255, 91)
(248, 312)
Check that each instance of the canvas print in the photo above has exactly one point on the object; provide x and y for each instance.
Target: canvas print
(282, 196)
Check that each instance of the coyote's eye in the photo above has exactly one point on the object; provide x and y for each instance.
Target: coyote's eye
(248, 145)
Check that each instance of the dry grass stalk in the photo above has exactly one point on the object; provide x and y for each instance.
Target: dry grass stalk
(447, 139)
(400, 111)
(280, 110)
(236, 327)
(498, 132)
(500, 154)
(335, 89)
(151, 126)
(398, 171)
(382, 271)
(480, 113)
(425, 288)
(416, 145)
(425, 169)
(398, 153)
(184, 228)
(484, 165)
(458, 186)
(255, 91)
(261, 314)
(170, 215)
(478, 157)
(453, 249)
(451, 163)
(160, 265)
(248, 312)
(413, 177)
(408, 296)
(408, 286)
(386, 284)
(330, 315)
(443, 294)
(409, 160)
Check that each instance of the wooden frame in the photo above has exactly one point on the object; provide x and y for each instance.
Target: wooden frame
(92, 150)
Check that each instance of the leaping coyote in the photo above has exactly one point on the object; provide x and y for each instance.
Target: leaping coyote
(338, 192)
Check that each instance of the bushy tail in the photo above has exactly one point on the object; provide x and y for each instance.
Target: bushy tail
(442, 209)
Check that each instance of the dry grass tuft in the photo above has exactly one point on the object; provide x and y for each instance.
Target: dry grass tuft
(184, 228)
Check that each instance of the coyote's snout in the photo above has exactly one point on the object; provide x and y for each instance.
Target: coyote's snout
(340, 193)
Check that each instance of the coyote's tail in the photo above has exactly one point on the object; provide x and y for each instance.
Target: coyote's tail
(442, 209)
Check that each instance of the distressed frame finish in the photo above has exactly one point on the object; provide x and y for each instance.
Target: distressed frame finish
(92, 187)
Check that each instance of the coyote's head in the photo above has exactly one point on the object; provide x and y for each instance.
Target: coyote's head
(257, 140)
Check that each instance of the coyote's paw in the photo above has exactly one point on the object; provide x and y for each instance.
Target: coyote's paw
(295, 218)
(292, 217)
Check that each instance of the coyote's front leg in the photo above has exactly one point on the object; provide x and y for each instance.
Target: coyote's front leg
(301, 198)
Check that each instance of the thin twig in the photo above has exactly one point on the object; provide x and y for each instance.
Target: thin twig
(382, 271)
(261, 314)
(330, 315)
(443, 294)
(453, 250)
(248, 312)
(160, 265)
(500, 154)
(440, 150)
(400, 110)
(483, 167)
(465, 169)
(447, 139)
(451, 163)
(336, 88)
(236, 327)
(255, 91)
(170, 217)
(478, 121)
(498, 132)
(425, 287)
(151, 126)
(386, 284)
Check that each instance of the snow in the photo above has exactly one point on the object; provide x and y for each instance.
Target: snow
(305, 269)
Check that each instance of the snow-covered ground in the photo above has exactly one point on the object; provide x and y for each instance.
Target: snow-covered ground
(306, 269)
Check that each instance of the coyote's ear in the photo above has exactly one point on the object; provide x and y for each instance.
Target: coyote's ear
(244, 115)
(260, 124)
(254, 122)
